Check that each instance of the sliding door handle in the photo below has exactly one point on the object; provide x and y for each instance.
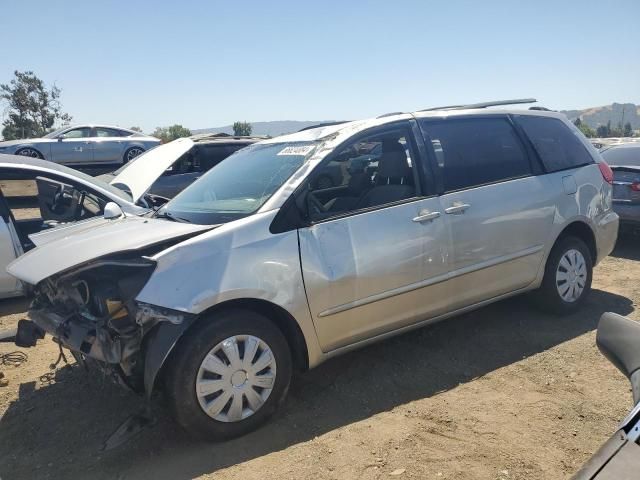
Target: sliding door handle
(425, 216)
(457, 207)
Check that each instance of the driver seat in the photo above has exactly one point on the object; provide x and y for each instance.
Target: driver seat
(394, 180)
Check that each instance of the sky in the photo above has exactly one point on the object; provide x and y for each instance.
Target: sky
(209, 63)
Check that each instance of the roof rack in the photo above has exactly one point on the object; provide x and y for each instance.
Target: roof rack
(493, 103)
(391, 114)
(326, 124)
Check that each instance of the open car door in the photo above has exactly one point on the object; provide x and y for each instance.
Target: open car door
(10, 249)
(58, 201)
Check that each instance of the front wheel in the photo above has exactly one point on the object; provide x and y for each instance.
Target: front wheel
(567, 276)
(228, 375)
(29, 152)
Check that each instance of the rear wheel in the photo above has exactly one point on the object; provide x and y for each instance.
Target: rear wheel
(29, 152)
(228, 375)
(567, 276)
(132, 153)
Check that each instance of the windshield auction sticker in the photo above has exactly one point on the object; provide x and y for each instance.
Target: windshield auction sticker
(297, 150)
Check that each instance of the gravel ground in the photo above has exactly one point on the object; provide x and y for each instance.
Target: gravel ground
(504, 392)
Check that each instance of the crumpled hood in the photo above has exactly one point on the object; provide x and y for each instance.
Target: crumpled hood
(69, 246)
(139, 175)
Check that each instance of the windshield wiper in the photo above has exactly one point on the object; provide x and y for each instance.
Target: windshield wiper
(169, 216)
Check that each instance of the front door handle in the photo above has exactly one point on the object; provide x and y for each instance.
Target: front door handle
(77, 149)
(457, 207)
(425, 216)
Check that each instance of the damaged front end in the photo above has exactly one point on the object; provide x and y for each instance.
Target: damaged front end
(92, 311)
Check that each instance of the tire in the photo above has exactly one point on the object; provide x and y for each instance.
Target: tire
(29, 152)
(186, 369)
(555, 295)
(131, 153)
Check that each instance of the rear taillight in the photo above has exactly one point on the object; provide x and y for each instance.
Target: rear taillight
(606, 172)
(635, 186)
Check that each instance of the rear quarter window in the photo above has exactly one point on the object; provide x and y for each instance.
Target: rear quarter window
(556, 144)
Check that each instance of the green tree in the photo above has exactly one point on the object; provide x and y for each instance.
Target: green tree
(136, 129)
(628, 131)
(168, 134)
(32, 108)
(241, 129)
(603, 131)
(584, 128)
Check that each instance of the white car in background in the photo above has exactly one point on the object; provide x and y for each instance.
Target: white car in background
(84, 145)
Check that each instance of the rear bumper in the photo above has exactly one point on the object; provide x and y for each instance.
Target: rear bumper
(628, 213)
(606, 234)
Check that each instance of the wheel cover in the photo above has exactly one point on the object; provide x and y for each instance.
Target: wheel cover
(571, 275)
(236, 378)
(133, 153)
(29, 152)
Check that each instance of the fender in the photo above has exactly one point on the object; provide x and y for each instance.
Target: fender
(160, 344)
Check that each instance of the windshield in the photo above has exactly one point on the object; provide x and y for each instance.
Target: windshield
(239, 185)
(55, 133)
(629, 156)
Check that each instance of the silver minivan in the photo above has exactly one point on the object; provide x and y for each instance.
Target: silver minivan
(257, 269)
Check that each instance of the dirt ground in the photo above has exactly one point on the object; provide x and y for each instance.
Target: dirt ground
(501, 393)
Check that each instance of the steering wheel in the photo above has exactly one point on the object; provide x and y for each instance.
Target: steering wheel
(58, 198)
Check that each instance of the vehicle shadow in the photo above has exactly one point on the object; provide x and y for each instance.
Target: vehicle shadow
(72, 417)
(627, 246)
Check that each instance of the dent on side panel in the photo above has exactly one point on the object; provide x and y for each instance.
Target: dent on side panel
(238, 260)
(591, 204)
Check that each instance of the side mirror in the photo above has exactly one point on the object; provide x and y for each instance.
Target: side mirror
(112, 210)
(60, 138)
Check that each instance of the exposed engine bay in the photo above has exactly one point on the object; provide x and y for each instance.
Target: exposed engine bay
(91, 310)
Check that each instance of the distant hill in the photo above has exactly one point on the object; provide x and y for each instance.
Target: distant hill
(275, 128)
(615, 113)
(593, 116)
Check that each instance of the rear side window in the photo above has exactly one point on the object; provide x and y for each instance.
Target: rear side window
(476, 151)
(557, 145)
(110, 132)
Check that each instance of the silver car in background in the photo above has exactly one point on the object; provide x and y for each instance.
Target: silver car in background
(256, 270)
(624, 160)
(80, 145)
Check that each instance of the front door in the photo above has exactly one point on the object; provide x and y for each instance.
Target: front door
(375, 259)
(10, 249)
(73, 147)
(500, 213)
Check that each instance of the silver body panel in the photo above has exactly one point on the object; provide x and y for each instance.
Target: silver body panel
(371, 273)
(361, 278)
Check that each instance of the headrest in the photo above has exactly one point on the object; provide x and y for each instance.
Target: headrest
(393, 161)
